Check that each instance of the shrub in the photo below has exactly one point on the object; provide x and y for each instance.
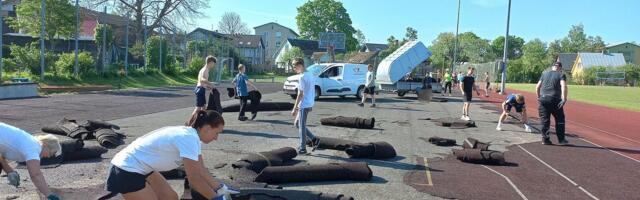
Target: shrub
(28, 57)
(66, 62)
(194, 67)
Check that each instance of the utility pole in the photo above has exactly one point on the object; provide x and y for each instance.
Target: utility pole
(455, 47)
(104, 43)
(42, 29)
(126, 47)
(505, 53)
(160, 49)
(1, 46)
(145, 44)
(75, 65)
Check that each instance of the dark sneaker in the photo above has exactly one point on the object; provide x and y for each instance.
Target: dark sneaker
(302, 152)
(314, 144)
(361, 104)
(243, 118)
(373, 105)
(563, 142)
(546, 142)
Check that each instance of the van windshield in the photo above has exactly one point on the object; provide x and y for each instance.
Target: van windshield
(316, 69)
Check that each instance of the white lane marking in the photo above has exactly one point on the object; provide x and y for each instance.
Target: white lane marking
(614, 151)
(509, 181)
(558, 172)
(607, 132)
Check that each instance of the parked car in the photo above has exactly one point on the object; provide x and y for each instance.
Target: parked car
(332, 79)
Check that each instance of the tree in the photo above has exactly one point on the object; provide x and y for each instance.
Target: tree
(515, 47)
(362, 40)
(534, 60)
(412, 34)
(555, 48)
(99, 34)
(59, 18)
(232, 24)
(392, 45)
(293, 53)
(153, 51)
(167, 14)
(442, 50)
(473, 49)
(137, 50)
(577, 41)
(317, 16)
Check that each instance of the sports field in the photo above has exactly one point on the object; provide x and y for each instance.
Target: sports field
(627, 98)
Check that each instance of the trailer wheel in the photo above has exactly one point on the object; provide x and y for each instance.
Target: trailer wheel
(401, 94)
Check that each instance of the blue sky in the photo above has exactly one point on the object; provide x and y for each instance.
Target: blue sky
(615, 21)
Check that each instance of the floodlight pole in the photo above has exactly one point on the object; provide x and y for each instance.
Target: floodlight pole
(455, 47)
(504, 55)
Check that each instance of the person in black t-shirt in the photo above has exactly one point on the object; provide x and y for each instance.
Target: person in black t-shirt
(468, 85)
(552, 95)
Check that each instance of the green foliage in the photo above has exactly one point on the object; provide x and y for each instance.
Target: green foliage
(632, 73)
(392, 44)
(28, 58)
(362, 39)
(442, 50)
(137, 50)
(66, 62)
(153, 52)
(588, 76)
(293, 53)
(533, 60)
(194, 67)
(98, 35)
(515, 47)
(473, 49)
(59, 18)
(317, 16)
(411, 34)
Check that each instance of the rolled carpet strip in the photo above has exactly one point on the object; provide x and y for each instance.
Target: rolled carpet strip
(472, 143)
(85, 153)
(454, 123)
(264, 106)
(478, 156)
(96, 124)
(68, 127)
(254, 193)
(109, 138)
(374, 150)
(231, 92)
(442, 141)
(334, 143)
(258, 161)
(350, 122)
(354, 171)
(214, 101)
(69, 146)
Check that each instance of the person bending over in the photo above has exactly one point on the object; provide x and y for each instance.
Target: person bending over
(514, 101)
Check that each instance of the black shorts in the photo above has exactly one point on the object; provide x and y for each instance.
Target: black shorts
(488, 84)
(121, 181)
(467, 97)
(370, 90)
(200, 96)
(518, 108)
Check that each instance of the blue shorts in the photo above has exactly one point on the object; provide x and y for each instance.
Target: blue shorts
(200, 96)
(518, 108)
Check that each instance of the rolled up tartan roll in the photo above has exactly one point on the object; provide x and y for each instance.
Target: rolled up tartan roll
(258, 161)
(96, 124)
(442, 141)
(85, 153)
(69, 146)
(454, 123)
(375, 150)
(214, 101)
(109, 138)
(334, 143)
(354, 171)
(350, 122)
(472, 143)
(478, 156)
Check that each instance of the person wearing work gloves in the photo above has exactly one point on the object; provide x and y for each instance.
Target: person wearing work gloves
(20, 146)
(370, 88)
(552, 95)
(514, 101)
(241, 81)
(135, 169)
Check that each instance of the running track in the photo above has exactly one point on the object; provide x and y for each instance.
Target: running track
(614, 129)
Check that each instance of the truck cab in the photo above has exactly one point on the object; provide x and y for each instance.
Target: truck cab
(332, 79)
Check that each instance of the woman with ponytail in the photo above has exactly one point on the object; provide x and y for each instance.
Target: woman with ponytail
(135, 171)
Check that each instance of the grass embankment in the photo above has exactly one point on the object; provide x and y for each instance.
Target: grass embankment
(626, 98)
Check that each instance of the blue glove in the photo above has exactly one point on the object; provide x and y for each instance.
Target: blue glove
(225, 189)
(219, 197)
(561, 104)
(53, 197)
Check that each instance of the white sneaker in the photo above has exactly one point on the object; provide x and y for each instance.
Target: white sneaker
(463, 117)
(499, 128)
(527, 129)
(467, 118)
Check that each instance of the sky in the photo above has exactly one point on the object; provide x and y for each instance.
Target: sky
(616, 21)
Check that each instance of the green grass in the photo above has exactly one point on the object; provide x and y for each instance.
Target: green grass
(627, 98)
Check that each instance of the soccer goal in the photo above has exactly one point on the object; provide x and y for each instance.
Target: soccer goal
(610, 78)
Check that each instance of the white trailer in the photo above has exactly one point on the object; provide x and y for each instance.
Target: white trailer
(393, 70)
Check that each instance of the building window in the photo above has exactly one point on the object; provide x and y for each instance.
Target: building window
(278, 34)
(278, 44)
(248, 43)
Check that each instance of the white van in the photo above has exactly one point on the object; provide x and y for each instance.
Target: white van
(332, 79)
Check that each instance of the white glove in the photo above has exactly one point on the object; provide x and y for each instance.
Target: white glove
(224, 189)
(527, 128)
(14, 178)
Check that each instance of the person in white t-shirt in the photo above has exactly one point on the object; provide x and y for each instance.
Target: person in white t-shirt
(303, 105)
(135, 171)
(20, 146)
(370, 87)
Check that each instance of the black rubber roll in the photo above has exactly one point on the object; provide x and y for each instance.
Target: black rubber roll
(69, 146)
(85, 153)
(442, 141)
(349, 122)
(264, 106)
(375, 150)
(258, 161)
(93, 125)
(354, 171)
(472, 143)
(478, 156)
(109, 138)
(214, 101)
(334, 143)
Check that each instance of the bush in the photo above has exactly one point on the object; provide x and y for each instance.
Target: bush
(28, 57)
(194, 67)
(66, 62)
(153, 51)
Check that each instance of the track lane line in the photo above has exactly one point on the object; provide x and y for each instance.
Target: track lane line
(508, 181)
(559, 173)
(614, 151)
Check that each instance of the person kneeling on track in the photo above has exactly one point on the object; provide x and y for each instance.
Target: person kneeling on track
(135, 171)
(514, 101)
(18, 145)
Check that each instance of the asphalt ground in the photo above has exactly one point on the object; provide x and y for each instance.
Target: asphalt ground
(421, 170)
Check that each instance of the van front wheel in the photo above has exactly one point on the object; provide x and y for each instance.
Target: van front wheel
(317, 93)
(359, 92)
